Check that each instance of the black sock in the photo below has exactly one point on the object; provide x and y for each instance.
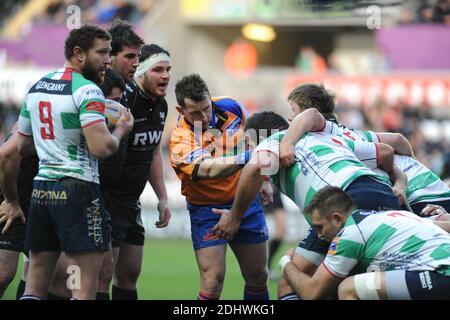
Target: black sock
(51, 296)
(274, 244)
(123, 294)
(20, 289)
(102, 296)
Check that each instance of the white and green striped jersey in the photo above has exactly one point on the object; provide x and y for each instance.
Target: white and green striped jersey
(390, 240)
(352, 134)
(423, 184)
(54, 112)
(320, 160)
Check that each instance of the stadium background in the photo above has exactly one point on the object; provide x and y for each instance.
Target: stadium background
(387, 61)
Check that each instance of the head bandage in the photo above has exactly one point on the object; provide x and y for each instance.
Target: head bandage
(149, 62)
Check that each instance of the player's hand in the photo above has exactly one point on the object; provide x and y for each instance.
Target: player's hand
(432, 210)
(9, 211)
(266, 193)
(227, 226)
(290, 252)
(126, 121)
(286, 154)
(400, 194)
(164, 214)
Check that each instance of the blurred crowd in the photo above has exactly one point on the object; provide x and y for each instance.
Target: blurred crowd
(426, 11)
(425, 132)
(96, 11)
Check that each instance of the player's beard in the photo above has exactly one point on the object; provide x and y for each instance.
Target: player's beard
(92, 73)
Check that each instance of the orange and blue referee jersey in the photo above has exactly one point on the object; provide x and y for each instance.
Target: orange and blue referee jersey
(224, 137)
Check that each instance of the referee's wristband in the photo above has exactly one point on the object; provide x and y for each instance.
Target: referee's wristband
(284, 261)
(243, 157)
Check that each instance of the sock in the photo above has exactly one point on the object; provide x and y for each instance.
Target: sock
(102, 296)
(20, 289)
(51, 296)
(274, 244)
(203, 296)
(256, 293)
(290, 296)
(30, 297)
(123, 294)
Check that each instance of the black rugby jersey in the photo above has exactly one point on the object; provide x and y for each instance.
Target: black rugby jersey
(149, 119)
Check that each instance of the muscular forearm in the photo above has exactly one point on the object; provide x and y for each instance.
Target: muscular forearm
(308, 120)
(9, 168)
(248, 187)
(299, 282)
(397, 141)
(217, 168)
(157, 175)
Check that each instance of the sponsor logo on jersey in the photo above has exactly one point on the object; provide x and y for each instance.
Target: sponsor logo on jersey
(195, 154)
(95, 106)
(143, 138)
(333, 246)
(50, 86)
(425, 280)
(233, 127)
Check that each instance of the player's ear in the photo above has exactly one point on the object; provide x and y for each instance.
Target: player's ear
(338, 218)
(78, 54)
(180, 110)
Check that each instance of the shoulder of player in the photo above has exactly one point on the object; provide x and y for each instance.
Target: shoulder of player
(82, 85)
(228, 104)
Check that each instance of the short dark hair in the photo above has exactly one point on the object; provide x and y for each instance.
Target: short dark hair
(84, 38)
(330, 199)
(112, 80)
(150, 49)
(311, 95)
(123, 34)
(193, 87)
(266, 121)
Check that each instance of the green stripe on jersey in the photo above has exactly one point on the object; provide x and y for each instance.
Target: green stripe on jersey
(350, 144)
(320, 150)
(368, 136)
(350, 249)
(77, 171)
(441, 252)
(338, 166)
(377, 240)
(70, 120)
(73, 150)
(309, 195)
(421, 181)
(412, 244)
(291, 176)
(24, 112)
(79, 81)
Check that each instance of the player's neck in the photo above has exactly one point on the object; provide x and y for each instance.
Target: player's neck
(149, 95)
(71, 65)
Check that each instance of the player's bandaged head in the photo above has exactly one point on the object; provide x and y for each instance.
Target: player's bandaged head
(151, 54)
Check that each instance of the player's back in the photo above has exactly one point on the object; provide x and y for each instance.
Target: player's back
(58, 107)
(397, 240)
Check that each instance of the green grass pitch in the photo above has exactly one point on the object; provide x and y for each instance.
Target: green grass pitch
(170, 272)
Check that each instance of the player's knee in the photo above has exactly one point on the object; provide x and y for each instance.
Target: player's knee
(257, 278)
(212, 282)
(127, 275)
(346, 289)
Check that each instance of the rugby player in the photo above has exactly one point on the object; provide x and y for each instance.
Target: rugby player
(68, 139)
(394, 254)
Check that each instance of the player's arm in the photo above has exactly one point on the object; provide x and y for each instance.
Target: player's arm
(156, 180)
(309, 120)
(321, 285)
(250, 181)
(221, 167)
(397, 141)
(10, 159)
(25, 145)
(101, 142)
